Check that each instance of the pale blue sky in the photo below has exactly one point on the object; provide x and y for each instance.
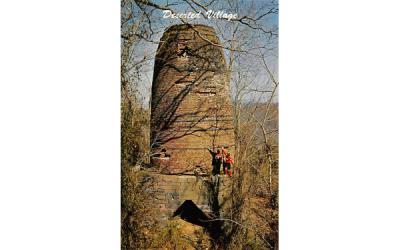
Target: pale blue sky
(252, 70)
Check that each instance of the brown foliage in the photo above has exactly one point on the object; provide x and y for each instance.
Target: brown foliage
(249, 46)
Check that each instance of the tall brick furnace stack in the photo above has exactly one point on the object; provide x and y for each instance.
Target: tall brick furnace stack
(191, 109)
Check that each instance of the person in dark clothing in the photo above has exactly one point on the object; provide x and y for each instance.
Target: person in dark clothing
(216, 161)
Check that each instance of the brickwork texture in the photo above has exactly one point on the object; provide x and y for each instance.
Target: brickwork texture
(191, 109)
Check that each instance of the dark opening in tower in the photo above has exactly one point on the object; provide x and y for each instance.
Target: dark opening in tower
(189, 212)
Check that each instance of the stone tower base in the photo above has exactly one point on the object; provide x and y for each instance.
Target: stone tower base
(196, 199)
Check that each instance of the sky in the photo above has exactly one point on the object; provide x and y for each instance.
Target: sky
(251, 70)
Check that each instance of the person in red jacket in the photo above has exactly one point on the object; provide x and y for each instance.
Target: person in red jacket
(228, 164)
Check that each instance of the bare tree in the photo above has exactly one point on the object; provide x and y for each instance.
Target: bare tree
(250, 44)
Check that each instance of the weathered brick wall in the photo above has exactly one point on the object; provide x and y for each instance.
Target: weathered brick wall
(191, 109)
